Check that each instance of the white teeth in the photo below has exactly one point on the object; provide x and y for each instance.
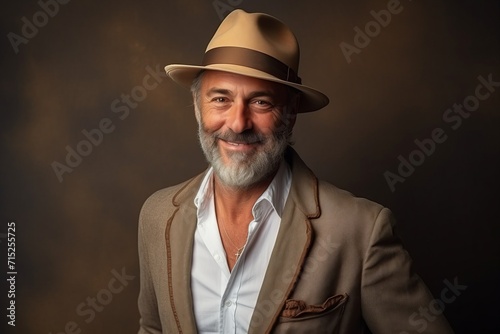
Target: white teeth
(237, 144)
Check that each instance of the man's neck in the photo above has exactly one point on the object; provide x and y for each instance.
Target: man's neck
(235, 204)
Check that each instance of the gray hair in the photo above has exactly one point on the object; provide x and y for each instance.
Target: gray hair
(196, 87)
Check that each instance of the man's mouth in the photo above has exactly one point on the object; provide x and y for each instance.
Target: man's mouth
(238, 145)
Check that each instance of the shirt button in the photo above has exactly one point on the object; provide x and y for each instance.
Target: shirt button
(216, 257)
(228, 303)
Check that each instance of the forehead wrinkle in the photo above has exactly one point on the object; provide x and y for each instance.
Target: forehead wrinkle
(229, 83)
(261, 93)
(253, 94)
(216, 90)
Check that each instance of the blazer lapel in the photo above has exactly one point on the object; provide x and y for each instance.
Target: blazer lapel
(291, 246)
(179, 235)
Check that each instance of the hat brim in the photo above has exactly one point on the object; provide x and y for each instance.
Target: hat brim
(311, 99)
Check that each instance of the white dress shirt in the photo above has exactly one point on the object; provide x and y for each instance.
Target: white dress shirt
(224, 301)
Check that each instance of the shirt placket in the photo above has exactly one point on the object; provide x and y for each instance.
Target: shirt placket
(229, 302)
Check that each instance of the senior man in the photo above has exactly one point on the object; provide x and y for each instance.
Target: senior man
(256, 243)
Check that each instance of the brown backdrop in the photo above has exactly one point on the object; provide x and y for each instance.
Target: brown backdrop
(76, 233)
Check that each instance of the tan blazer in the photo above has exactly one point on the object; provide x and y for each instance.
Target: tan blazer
(336, 266)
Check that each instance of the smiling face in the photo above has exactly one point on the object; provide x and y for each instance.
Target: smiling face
(244, 125)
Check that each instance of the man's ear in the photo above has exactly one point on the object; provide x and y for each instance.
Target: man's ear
(292, 119)
(196, 109)
(294, 109)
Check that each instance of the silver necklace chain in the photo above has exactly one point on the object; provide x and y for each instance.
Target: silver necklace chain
(239, 251)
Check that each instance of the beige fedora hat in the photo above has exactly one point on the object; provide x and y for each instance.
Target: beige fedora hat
(256, 45)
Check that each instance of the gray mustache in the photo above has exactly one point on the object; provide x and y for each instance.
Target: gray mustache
(246, 137)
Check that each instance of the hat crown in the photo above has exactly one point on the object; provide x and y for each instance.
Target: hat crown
(259, 32)
(256, 45)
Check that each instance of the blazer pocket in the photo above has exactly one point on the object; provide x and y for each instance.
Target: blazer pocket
(299, 317)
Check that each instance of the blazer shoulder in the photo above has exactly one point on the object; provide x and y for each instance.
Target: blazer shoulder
(339, 199)
(356, 215)
(162, 203)
(162, 196)
(349, 219)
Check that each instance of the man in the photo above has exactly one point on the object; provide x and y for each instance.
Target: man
(256, 244)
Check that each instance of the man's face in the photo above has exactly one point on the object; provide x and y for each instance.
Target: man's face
(244, 126)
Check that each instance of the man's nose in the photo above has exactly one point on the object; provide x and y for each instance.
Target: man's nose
(238, 118)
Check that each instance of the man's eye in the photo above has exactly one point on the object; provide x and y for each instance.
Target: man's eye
(219, 99)
(263, 103)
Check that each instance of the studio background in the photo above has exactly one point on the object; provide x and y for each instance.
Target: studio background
(76, 231)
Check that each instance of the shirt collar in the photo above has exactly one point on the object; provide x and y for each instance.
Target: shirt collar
(277, 191)
(275, 194)
(205, 191)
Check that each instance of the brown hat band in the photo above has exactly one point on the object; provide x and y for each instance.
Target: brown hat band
(250, 58)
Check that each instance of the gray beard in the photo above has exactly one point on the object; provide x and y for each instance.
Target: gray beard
(244, 170)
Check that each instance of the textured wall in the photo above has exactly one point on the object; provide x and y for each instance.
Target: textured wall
(92, 65)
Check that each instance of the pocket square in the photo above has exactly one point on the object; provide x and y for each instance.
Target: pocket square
(296, 308)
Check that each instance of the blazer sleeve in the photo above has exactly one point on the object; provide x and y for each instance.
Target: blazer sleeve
(393, 298)
(148, 307)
